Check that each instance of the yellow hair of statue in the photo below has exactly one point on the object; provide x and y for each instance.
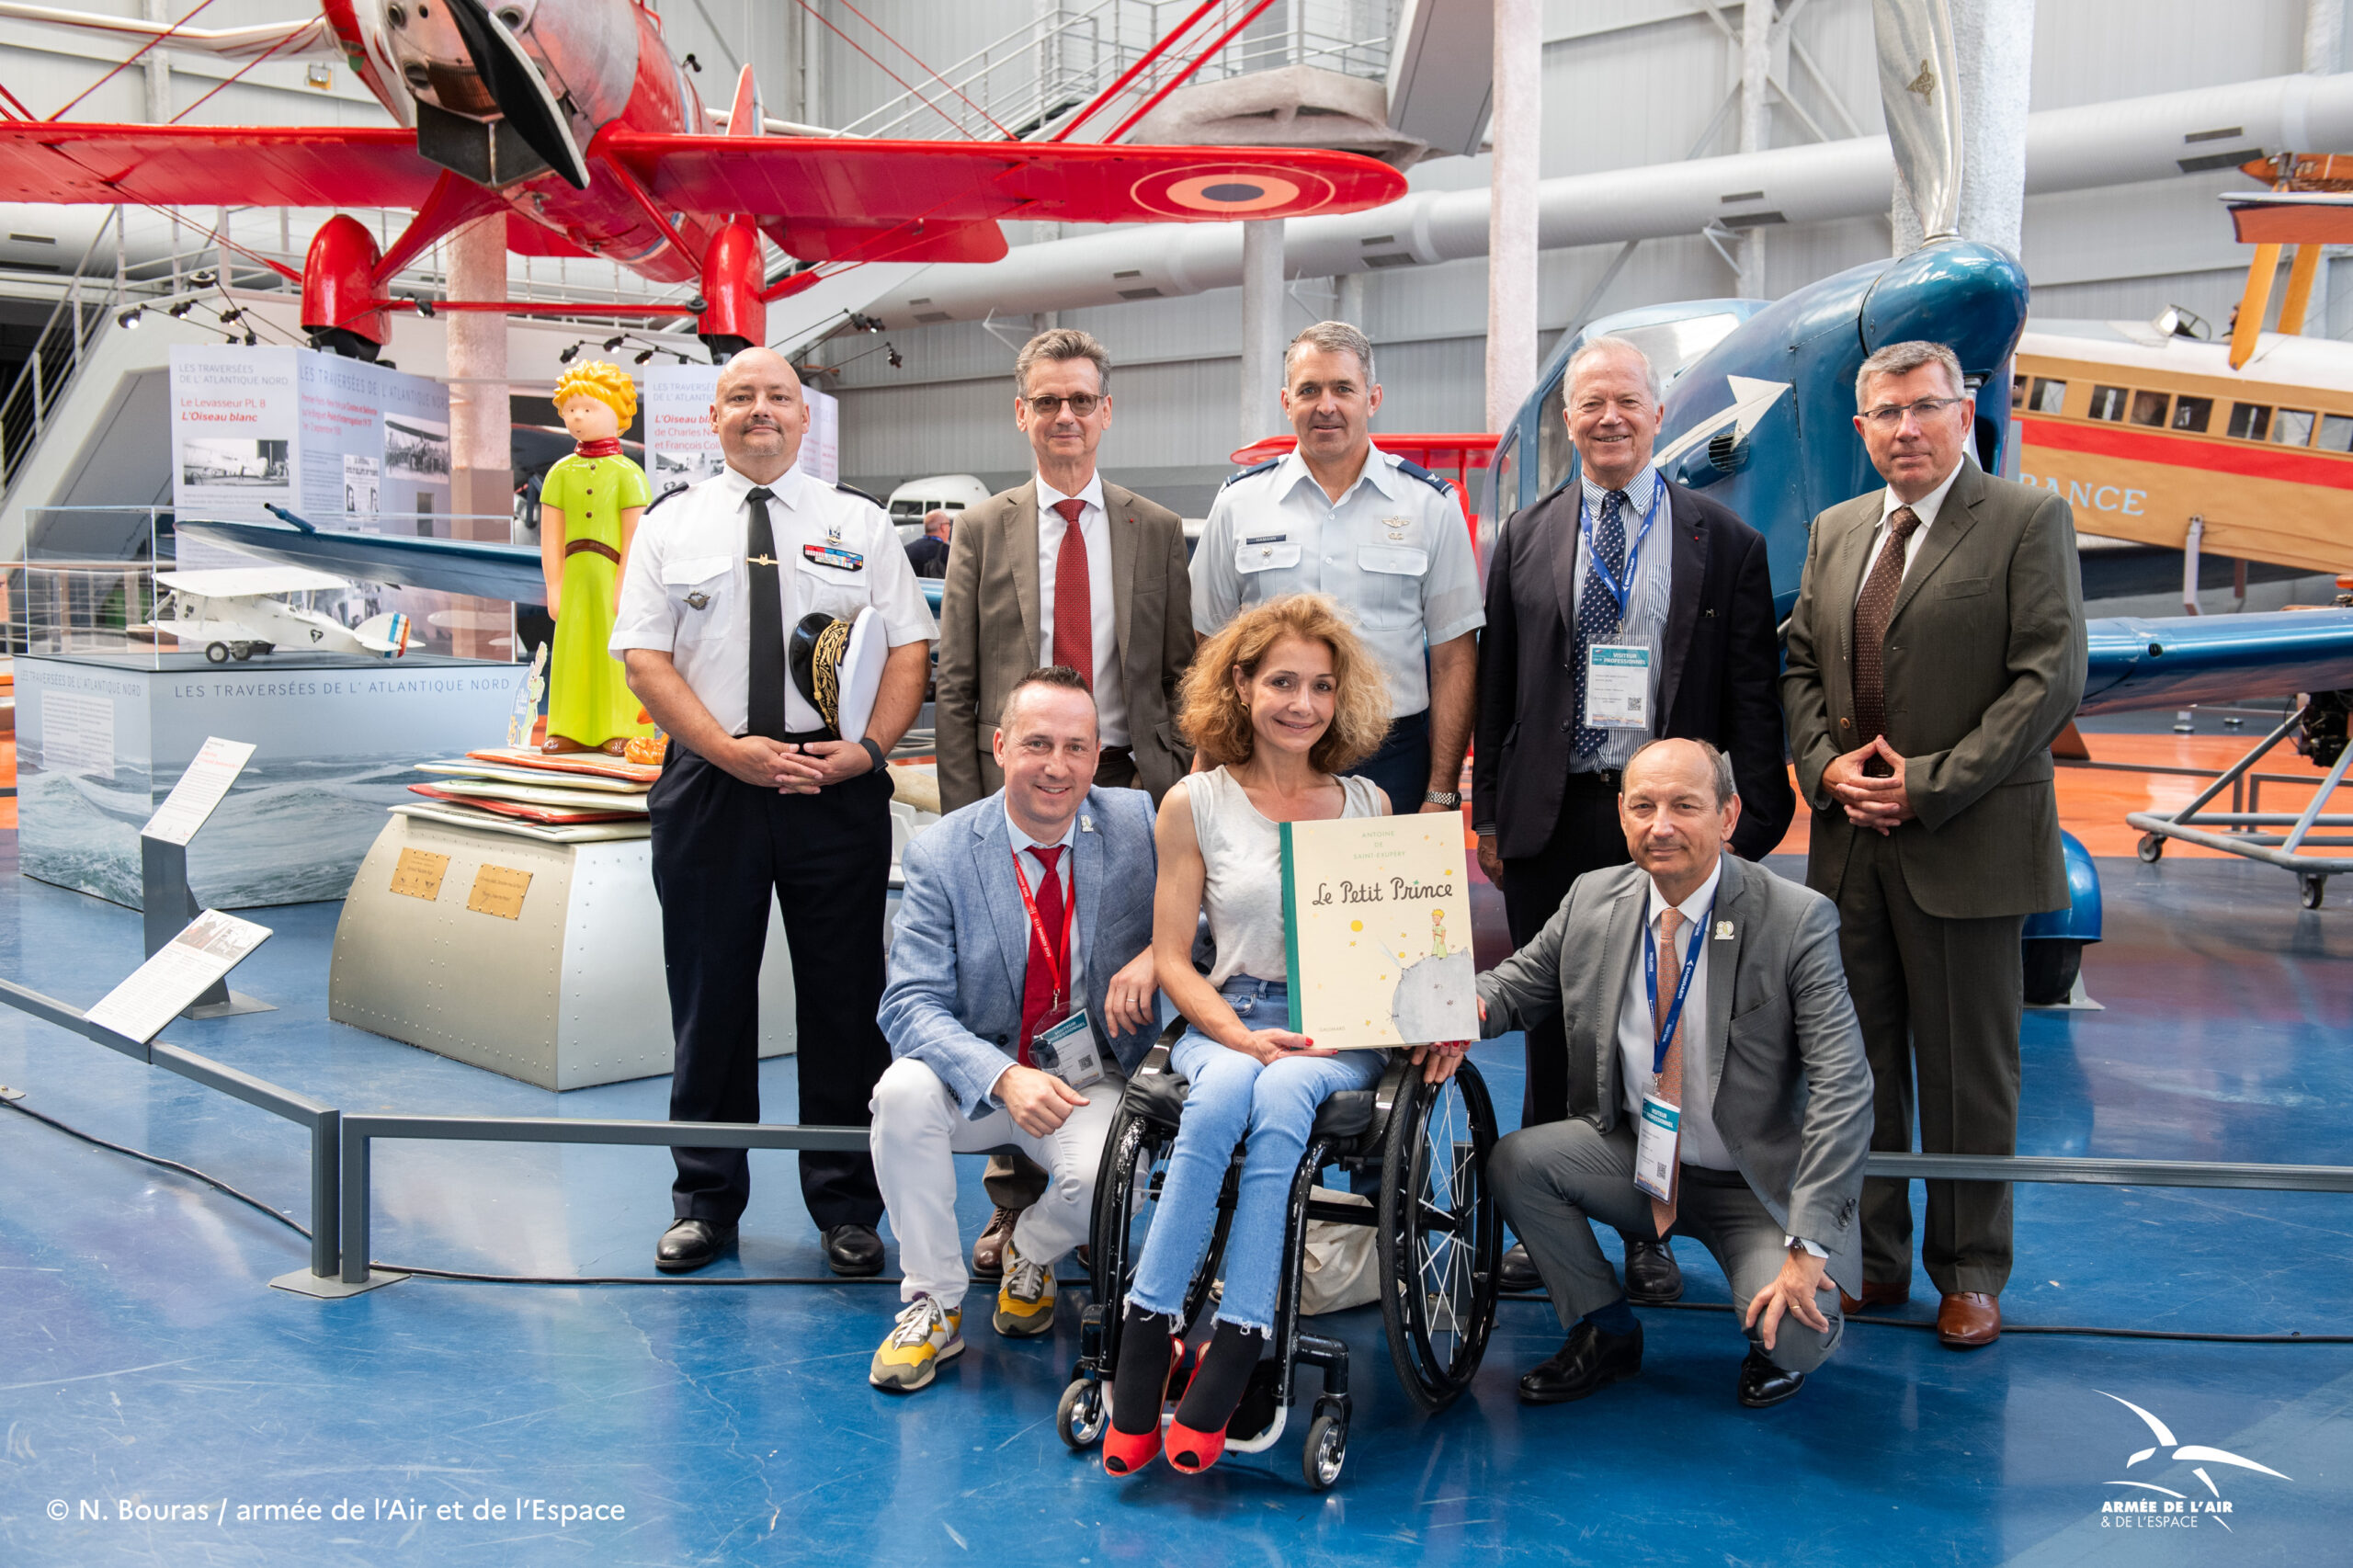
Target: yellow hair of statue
(608, 384)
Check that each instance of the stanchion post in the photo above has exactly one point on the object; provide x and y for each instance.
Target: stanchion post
(326, 1201)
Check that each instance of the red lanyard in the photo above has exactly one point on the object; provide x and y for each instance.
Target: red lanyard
(1055, 970)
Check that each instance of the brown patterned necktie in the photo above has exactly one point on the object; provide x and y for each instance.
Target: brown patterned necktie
(1669, 1087)
(1872, 611)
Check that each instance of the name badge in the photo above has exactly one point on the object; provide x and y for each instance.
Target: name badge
(1618, 687)
(831, 556)
(1655, 1149)
(1067, 1051)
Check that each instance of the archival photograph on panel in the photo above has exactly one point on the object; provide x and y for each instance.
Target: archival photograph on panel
(363, 478)
(222, 462)
(416, 447)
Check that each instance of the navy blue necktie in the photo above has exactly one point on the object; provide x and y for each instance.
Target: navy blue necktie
(1598, 617)
(764, 695)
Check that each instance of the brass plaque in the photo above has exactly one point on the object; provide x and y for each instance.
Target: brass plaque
(499, 890)
(418, 873)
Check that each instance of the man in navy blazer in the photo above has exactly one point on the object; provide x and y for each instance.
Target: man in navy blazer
(1024, 945)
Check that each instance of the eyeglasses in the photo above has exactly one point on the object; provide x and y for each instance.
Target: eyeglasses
(1081, 404)
(1890, 415)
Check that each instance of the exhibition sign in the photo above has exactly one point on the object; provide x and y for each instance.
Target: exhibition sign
(682, 448)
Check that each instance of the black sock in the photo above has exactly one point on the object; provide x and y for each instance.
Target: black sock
(1224, 1373)
(1617, 1319)
(1141, 1376)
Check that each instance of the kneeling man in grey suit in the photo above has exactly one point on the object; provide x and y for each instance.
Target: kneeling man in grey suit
(1717, 1086)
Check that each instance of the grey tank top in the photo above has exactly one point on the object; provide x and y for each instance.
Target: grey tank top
(1242, 853)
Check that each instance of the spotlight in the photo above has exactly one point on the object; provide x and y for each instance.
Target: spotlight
(895, 358)
(865, 323)
(231, 313)
(644, 356)
(131, 317)
(251, 340)
(425, 309)
(691, 63)
(176, 312)
(613, 343)
(566, 357)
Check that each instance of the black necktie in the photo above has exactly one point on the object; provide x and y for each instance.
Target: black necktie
(764, 704)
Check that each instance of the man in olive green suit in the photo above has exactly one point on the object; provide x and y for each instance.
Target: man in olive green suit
(1104, 592)
(1936, 651)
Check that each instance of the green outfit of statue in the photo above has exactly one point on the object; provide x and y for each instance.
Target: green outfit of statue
(589, 506)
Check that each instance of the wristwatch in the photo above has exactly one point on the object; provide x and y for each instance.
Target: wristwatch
(1449, 799)
(875, 752)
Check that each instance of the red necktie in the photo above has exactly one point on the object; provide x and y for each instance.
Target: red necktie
(1074, 601)
(1041, 1002)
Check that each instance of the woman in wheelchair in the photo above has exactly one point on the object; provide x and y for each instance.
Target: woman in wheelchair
(1276, 704)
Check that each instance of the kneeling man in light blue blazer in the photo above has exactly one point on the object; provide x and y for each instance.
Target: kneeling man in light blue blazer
(1021, 966)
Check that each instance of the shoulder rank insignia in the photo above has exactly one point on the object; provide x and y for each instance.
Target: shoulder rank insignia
(1246, 472)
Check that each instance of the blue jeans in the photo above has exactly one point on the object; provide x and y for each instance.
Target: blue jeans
(1233, 1095)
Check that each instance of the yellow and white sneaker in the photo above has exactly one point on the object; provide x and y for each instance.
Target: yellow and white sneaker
(1024, 1301)
(925, 1334)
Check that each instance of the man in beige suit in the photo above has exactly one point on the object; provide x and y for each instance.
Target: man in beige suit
(1936, 651)
(1067, 569)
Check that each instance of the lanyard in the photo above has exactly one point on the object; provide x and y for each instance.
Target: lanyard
(1682, 986)
(1621, 592)
(1055, 972)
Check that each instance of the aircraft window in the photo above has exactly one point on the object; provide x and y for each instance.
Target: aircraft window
(2108, 402)
(2293, 428)
(2250, 421)
(2049, 396)
(1672, 346)
(2193, 412)
(1506, 479)
(2149, 408)
(2017, 392)
(1554, 452)
(2335, 433)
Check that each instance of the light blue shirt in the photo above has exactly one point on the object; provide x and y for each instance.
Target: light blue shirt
(1393, 550)
(1645, 623)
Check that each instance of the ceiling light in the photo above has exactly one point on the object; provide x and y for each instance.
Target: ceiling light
(131, 317)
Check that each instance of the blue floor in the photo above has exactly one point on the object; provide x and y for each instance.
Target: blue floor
(148, 1366)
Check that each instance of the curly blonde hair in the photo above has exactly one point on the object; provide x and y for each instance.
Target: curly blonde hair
(1215, 717)
(608, 384)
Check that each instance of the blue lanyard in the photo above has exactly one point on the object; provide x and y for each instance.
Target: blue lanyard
(1682, 986)
(1621, 592)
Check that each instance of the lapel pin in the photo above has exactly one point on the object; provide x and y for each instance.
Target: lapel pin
(1085, 824)
(1723, 930)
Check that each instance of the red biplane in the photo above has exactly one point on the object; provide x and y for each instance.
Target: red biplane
(575, 122)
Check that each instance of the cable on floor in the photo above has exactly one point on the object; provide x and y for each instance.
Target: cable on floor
(303, 1231)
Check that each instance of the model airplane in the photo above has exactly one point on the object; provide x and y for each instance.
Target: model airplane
(575, 123)
(236, 612)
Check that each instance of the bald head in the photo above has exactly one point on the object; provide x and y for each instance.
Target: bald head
(759, 414)
(1677, 804)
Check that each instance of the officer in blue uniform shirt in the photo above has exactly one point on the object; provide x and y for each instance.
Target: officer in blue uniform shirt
(759, 800)
(1385, 539)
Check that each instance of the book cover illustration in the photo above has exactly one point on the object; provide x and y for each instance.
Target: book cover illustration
(1377, 925)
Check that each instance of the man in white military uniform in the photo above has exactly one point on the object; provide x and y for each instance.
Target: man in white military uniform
(760, 800)
(1382, 537)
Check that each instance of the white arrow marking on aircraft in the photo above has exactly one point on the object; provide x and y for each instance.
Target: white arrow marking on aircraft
(1750, 399)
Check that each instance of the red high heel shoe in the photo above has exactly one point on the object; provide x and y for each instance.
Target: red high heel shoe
(1124, 1453)
(1193, 1452)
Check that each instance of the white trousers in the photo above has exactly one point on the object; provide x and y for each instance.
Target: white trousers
(918, 1126)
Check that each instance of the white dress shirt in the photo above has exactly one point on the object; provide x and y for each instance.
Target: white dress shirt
(1393, 550)
(1644, 622)
(1103, 616)
(687, 589)
(1926, 508)
(1699, 1143)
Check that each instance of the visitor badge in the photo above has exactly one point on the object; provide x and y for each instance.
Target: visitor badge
(1618, 687)
(840, 559)
(1654, 1151)
(1067, 1051)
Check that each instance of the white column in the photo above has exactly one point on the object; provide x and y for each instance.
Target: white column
(1755, 126)
(2324, 37)
(158, 67)
(1348, 302)
(1258, 408)
(481, 436)
(1515, 132)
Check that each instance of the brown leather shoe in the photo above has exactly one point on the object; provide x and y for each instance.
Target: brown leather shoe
(988, 1252)
(1969, 1319)
(1875, 1294)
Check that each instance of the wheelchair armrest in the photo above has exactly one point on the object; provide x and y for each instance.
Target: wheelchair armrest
(1157, 1093)
(1346, 1114)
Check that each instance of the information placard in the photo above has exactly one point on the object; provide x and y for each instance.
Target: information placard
(183, 970)
(203, 788)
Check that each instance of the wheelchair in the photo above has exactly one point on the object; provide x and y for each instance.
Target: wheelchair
(1439, 1241)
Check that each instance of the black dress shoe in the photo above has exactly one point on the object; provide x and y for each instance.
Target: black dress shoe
(1517, 1276)
(854, 1252)
(1652, 1276)
(1589, 1360)
(1762, 1383)
(691, 1243)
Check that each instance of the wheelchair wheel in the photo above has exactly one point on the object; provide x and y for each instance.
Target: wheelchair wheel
(1135, 1153)
(1081, 1417)
(1439, 1235)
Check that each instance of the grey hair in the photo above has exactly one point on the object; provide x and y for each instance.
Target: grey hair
(1718, 763)
(1061, 343)
(1607, 343)
(1332, 337)
(1901, 360)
